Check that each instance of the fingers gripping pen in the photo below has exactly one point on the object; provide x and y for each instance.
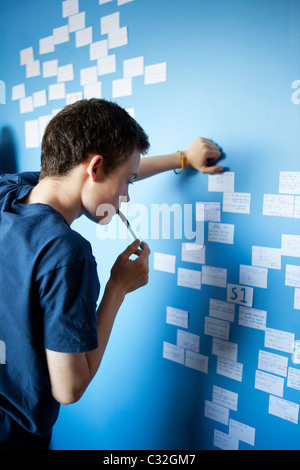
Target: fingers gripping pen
(126, 222)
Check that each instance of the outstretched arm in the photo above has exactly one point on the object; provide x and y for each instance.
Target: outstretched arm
(201, 155)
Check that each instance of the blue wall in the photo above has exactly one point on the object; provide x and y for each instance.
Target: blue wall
(230, 69)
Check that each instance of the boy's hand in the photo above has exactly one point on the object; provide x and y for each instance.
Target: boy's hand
(127, 274)
(202, 154)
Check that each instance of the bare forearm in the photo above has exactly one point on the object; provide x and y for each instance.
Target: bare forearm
(151, 166)
(106, 314)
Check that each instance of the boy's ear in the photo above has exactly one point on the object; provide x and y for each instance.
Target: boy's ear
(95, 167)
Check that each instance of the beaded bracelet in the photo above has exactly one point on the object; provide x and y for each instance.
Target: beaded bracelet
(182, 163)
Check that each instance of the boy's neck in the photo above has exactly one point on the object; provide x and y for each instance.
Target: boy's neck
(63, 194)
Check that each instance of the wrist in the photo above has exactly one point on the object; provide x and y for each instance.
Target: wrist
(115, 289)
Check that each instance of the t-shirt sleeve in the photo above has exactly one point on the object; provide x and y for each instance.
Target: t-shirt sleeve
(68, 297)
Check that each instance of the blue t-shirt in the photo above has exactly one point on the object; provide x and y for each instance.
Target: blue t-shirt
(48, 293)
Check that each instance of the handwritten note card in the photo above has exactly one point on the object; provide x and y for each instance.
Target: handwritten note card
(278, 205)
(214, 276)
(281, 340)
(289, 182)
(290, 245)
(196, 361)
(284, 409)
(265, 257)
(253, 276)
(222, 310)
(252, 318)
(273, 363)
(221, 233)
(222, 182)
(189, 278)
(177, 317)
(173, 353)
(236, 202)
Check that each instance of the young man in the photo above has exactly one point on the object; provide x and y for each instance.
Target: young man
(54, 337)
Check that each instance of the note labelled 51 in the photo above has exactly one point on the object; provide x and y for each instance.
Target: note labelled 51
(240, 294)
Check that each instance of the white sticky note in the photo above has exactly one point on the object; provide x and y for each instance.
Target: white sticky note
(224, 348)
(117, 37)
(284, 409)
(297, 207)
(102, 2)
(240, 294)
(208, 211)
(222, 310)
(293, 379)
(76, 22)
(296, 352)
(177, 317)
(220, 233)
(173, 353)
(33, 69)
(252, 317)
(69, 7)
(65, 73)
(84, 37)
(50, 68)
(273, 363)
(188, 340)
(26, 56)
(61, 35)
(39, 98)
(290, 245)
(222, 182)
(32, 134)
(278, 339)
(216, 327)
(107, 65)
(189, 278)
(88, 75)
(164, 262)
(98, 49)
(289, 182)
(236, 202)
(133, 67)
(278, 205)
(46, 45)
(292, 275)
(122, 2)
(214, 276)
(93, 90)
(26, 105)
(225, 398)
(18, 92)
(253, 276)
(242, 432)
(216, 412)
(265, 257)
(156, 73)
(122, 87)
(57, 91)
(193, 253)
(231, 369)
(269, 383)
(110, 23)
(224, 441)
(196, 361)
(297, 299)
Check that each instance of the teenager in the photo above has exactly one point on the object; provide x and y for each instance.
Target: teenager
(54, 335)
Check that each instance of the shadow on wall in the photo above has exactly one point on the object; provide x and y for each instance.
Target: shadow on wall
(8, 154)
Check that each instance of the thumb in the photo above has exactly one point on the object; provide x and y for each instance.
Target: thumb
(131, 249)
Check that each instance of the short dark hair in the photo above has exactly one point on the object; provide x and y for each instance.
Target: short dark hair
(86, 127)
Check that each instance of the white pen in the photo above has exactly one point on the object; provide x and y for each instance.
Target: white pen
(126, 222)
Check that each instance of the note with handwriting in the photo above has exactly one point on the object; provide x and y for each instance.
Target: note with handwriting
(189, 278)
(278, 205)
(221, 182)
(252, 317)
(242, 431)
(236, 202)
(193, 253)
(269, 383)
(289, 182)
(214, 276)
(293, 379)
(274, 363)
(196, 361)
(253, 276)
(292, 275)
(284, 409)
(188, 340)
(224, 348)
(290, 245)
(280, 340)
(225, 398)
(265, 257)
(231, 369)
(224, 441)
(216, 412)
(216, 327)
(164, 262)
(220, 233)
(222, 310)
(177, 317)
(173, 353)
(208, 211)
